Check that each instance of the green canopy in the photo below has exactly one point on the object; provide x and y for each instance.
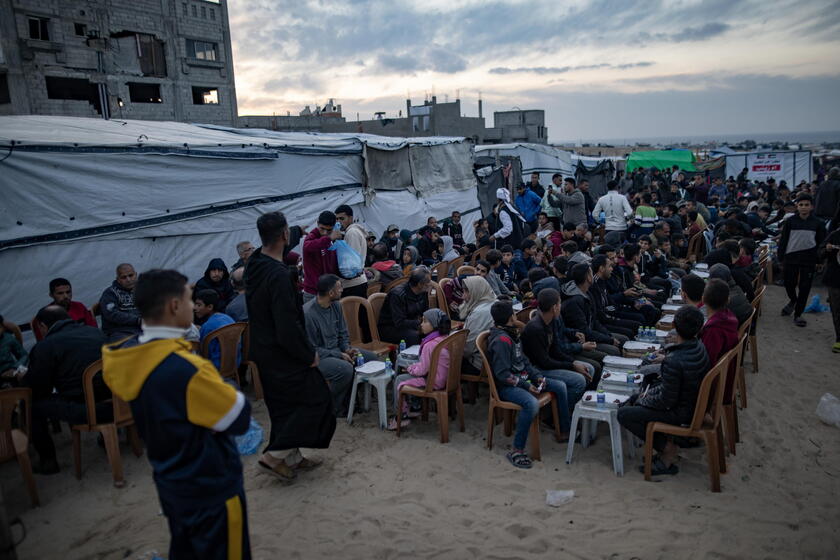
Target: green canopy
(661, 159)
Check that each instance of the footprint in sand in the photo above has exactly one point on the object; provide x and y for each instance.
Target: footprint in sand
(521, 531)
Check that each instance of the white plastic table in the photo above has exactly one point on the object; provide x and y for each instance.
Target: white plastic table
(379, 381)
(590, 415)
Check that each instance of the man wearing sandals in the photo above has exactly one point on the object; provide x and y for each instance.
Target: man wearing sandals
(518, 381)
(187, 416)
(298, 399)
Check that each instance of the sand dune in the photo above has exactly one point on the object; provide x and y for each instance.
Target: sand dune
(380, 497)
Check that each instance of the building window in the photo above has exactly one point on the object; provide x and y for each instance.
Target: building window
(184, 7)
(201, 49)
(212, 14)
(39, 28)
(80, 29)
(203, 12)
(4, 90)
(151, 55)
(144, 93)
(194, 11)
(205, 96)
(76, 89)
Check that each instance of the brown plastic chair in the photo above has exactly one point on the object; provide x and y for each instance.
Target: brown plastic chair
(524, 314)
(394, 283)
(454, 343)
(440, 270)
(350, 309)
(705, 423)
(229, 338)
(12, 327)
(376, 302)
(122, 419)
(14, 442)
(247, 367)
(374, 288)
(753, 341)
(437, 298)
(96, 309)
(730, 411)
(455, 264)
(743, 333)
(466, 269)
(480, 254)
(497, 403)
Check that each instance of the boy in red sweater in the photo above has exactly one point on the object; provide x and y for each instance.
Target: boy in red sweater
(720, 331)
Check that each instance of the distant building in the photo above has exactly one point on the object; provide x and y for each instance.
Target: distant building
(133, 59)
(517, 126)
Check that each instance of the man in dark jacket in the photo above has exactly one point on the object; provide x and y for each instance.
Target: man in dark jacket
(120, 318)
(831, 278)
(672, 399)
(550, 346)
(56, 366)
(298, 399)
(828, 196)
(217, 278)
(802, 234)
(403, 309)
(605, 309)
(452, 227)
(579, 312)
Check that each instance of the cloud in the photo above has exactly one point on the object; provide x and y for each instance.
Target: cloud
(435, 59)
(564, 69)
(688, 34)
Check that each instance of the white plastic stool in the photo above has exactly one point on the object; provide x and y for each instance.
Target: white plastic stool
(380, 382)
(590, 415)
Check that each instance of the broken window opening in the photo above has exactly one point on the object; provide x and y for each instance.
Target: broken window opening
(76, 89)
(4, 89)
(151, 55)
(205, 96)
(39, 28)
(80, 29)
(144, 93)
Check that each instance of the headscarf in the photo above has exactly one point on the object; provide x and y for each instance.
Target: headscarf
(504, 195)
(434, 316)
(449, 253)
(415, 254)
(480, 292)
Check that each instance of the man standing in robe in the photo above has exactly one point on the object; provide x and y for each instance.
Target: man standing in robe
(298, 399)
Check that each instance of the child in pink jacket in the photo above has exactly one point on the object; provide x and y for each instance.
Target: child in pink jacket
(434, 328)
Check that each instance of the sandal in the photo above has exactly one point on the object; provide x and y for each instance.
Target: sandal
(281, 470)
(392, 425)
(658, 468)
(307, 464)
(800, 322)
(519, 459)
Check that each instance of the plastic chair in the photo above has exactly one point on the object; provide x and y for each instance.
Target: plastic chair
(440, 270)
(709, 401)
(753, 341)
(122, 419)
(350, 309)
(374, 288)
(394, 283)
(14, 442)
(730, 411)
(437, 298)
(466, 269)
(376, 302)
(96, 309)
(229, 338)
(743, 332)
(454, 344)
(479, 255)
(524, 315)
(497, 403)
(455, 264)
(247, 367)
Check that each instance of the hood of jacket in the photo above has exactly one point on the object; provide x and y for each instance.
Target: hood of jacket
(217, 264)
(571, 289)
(127, 365)
(415, 254)
(448, 243)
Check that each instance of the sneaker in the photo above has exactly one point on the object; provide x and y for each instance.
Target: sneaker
(787, 310)
(799, 321)
(836, 348)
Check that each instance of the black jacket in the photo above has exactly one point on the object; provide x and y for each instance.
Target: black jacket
(800, 240)
(278, 327)
(739, 303)
(402, 310)
(681, 374)
(223, 287)
(455, 231)
(604, 307)
(547, 346)
(828, 199)
(508, 362)
(831, 276)
(61, 358)
(579, 314)
(120, 318)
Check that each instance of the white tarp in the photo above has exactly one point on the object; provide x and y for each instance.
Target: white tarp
(791, 166)
(539, 158)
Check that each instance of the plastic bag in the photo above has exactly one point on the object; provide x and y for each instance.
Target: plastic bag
(815, 306)
(249, 442)
(557, 498)
(350, 263)
(828, 410)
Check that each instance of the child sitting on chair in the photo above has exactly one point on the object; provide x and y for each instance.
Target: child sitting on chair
(435, 327)
(12, 355)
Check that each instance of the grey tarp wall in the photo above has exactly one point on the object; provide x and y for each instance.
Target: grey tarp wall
(597, 175)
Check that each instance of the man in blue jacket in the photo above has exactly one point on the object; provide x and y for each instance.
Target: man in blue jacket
(528, 204)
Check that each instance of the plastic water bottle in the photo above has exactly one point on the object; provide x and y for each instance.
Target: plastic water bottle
(602, 217)
(631, 379)
(389, 368)
(640, 335)
(337, 226)
(402, 346)
(602, 398)
(360, 360)
(651, 335)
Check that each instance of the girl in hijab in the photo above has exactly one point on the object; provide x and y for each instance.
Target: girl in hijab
(410, 259)
(475, 311)
(449, 251)
(434, 328)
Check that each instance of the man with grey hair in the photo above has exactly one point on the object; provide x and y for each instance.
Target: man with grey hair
(244, 249)
(237, 308)
(120, 318)
(403, 308)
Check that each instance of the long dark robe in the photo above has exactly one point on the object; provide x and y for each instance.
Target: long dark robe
(298, 398)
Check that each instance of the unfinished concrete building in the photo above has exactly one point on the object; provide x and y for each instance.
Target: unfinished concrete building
(132, 59)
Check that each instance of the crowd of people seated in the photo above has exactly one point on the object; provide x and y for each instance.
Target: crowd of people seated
(588, 273)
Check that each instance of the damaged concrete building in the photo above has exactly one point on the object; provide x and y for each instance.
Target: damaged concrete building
(132, 59)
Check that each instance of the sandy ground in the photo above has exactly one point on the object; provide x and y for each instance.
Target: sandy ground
(380, 497)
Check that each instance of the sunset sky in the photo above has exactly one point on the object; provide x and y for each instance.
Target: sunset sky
(600, 69)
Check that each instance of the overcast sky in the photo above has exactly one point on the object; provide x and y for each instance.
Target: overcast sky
(600, 69)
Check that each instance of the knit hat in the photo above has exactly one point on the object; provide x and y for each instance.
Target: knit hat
(434, 316)
(503, 194)
(720, 271)
(501, 312)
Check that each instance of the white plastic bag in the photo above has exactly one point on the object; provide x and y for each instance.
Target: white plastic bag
(557, 498)
(829, 410)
